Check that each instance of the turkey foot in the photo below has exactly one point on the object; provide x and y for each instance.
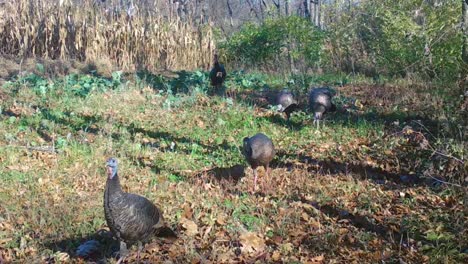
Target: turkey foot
(140, 248)
(123, 252)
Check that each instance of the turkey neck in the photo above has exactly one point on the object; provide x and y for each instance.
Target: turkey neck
(113, 185)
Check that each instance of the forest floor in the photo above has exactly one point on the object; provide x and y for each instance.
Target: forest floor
(361, 189)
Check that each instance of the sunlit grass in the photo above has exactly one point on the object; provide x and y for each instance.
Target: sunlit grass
(165, 142)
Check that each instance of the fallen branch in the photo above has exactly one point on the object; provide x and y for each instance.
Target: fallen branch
(444, 182)
(423, 126)
(446, 155)
(433, 149)
(48, 149)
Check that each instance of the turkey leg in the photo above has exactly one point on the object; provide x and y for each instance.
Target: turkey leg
(266, 185)
(123, 252)
(255, 179)
(140, 248)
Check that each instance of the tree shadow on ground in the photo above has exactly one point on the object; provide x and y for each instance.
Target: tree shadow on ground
(67, 119)
(74, 122)
(225, 177)
(141, 162)
(133, 130)
(392, 233)
(279, 120)
(330, 167)
(357, 220)
(360, 171)
(177, 82)
(228, 174)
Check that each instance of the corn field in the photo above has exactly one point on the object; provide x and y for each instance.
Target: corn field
(131, 39)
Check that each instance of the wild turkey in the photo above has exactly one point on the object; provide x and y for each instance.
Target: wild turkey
(286, 102)
(130, 217)
(259, 151)
(217, 75)
(320, 103)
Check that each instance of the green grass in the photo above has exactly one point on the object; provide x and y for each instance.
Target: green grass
(52, 201)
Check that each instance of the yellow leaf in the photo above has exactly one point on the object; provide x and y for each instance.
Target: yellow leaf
(288, 247)
(317, 259)
(190, 226)
(62, 256)
(220, 220)
(251, 242)
(305, 216)
(276, 256)
(358, 104)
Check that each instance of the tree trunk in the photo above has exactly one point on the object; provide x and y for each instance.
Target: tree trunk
(230, 12)
(278, 7)
(286, 7)
(260, 4)
(465, 32)
(463, 82)
(319, 11)
(253, 9)
(312, 11)
(464, 69)
(306, 9)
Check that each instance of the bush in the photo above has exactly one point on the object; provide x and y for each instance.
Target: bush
(398, 38)
(276, 43)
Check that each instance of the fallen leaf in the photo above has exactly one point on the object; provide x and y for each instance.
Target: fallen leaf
(3, 241)
(277, 239)
(62, 257)
(276, 256)
(376, 256)
(251, 243)
(190, 227)
(288, 247)
(207, 231)
(220, 220)
(200, 123)
(343, 231)
(314, 223)
(317, 259)
(188, 212)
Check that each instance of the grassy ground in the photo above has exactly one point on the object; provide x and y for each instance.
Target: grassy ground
(359, 190)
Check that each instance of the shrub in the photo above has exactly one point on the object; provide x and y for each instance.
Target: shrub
(275, 43)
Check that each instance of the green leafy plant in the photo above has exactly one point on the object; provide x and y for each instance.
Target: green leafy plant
(275, 40)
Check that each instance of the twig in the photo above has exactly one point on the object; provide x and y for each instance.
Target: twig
(44, 149)
(446, 155)
(423, 126)
(221, 241)
(449, 183)
(433, 149)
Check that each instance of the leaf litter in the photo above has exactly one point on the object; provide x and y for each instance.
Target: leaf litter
(324, 208)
